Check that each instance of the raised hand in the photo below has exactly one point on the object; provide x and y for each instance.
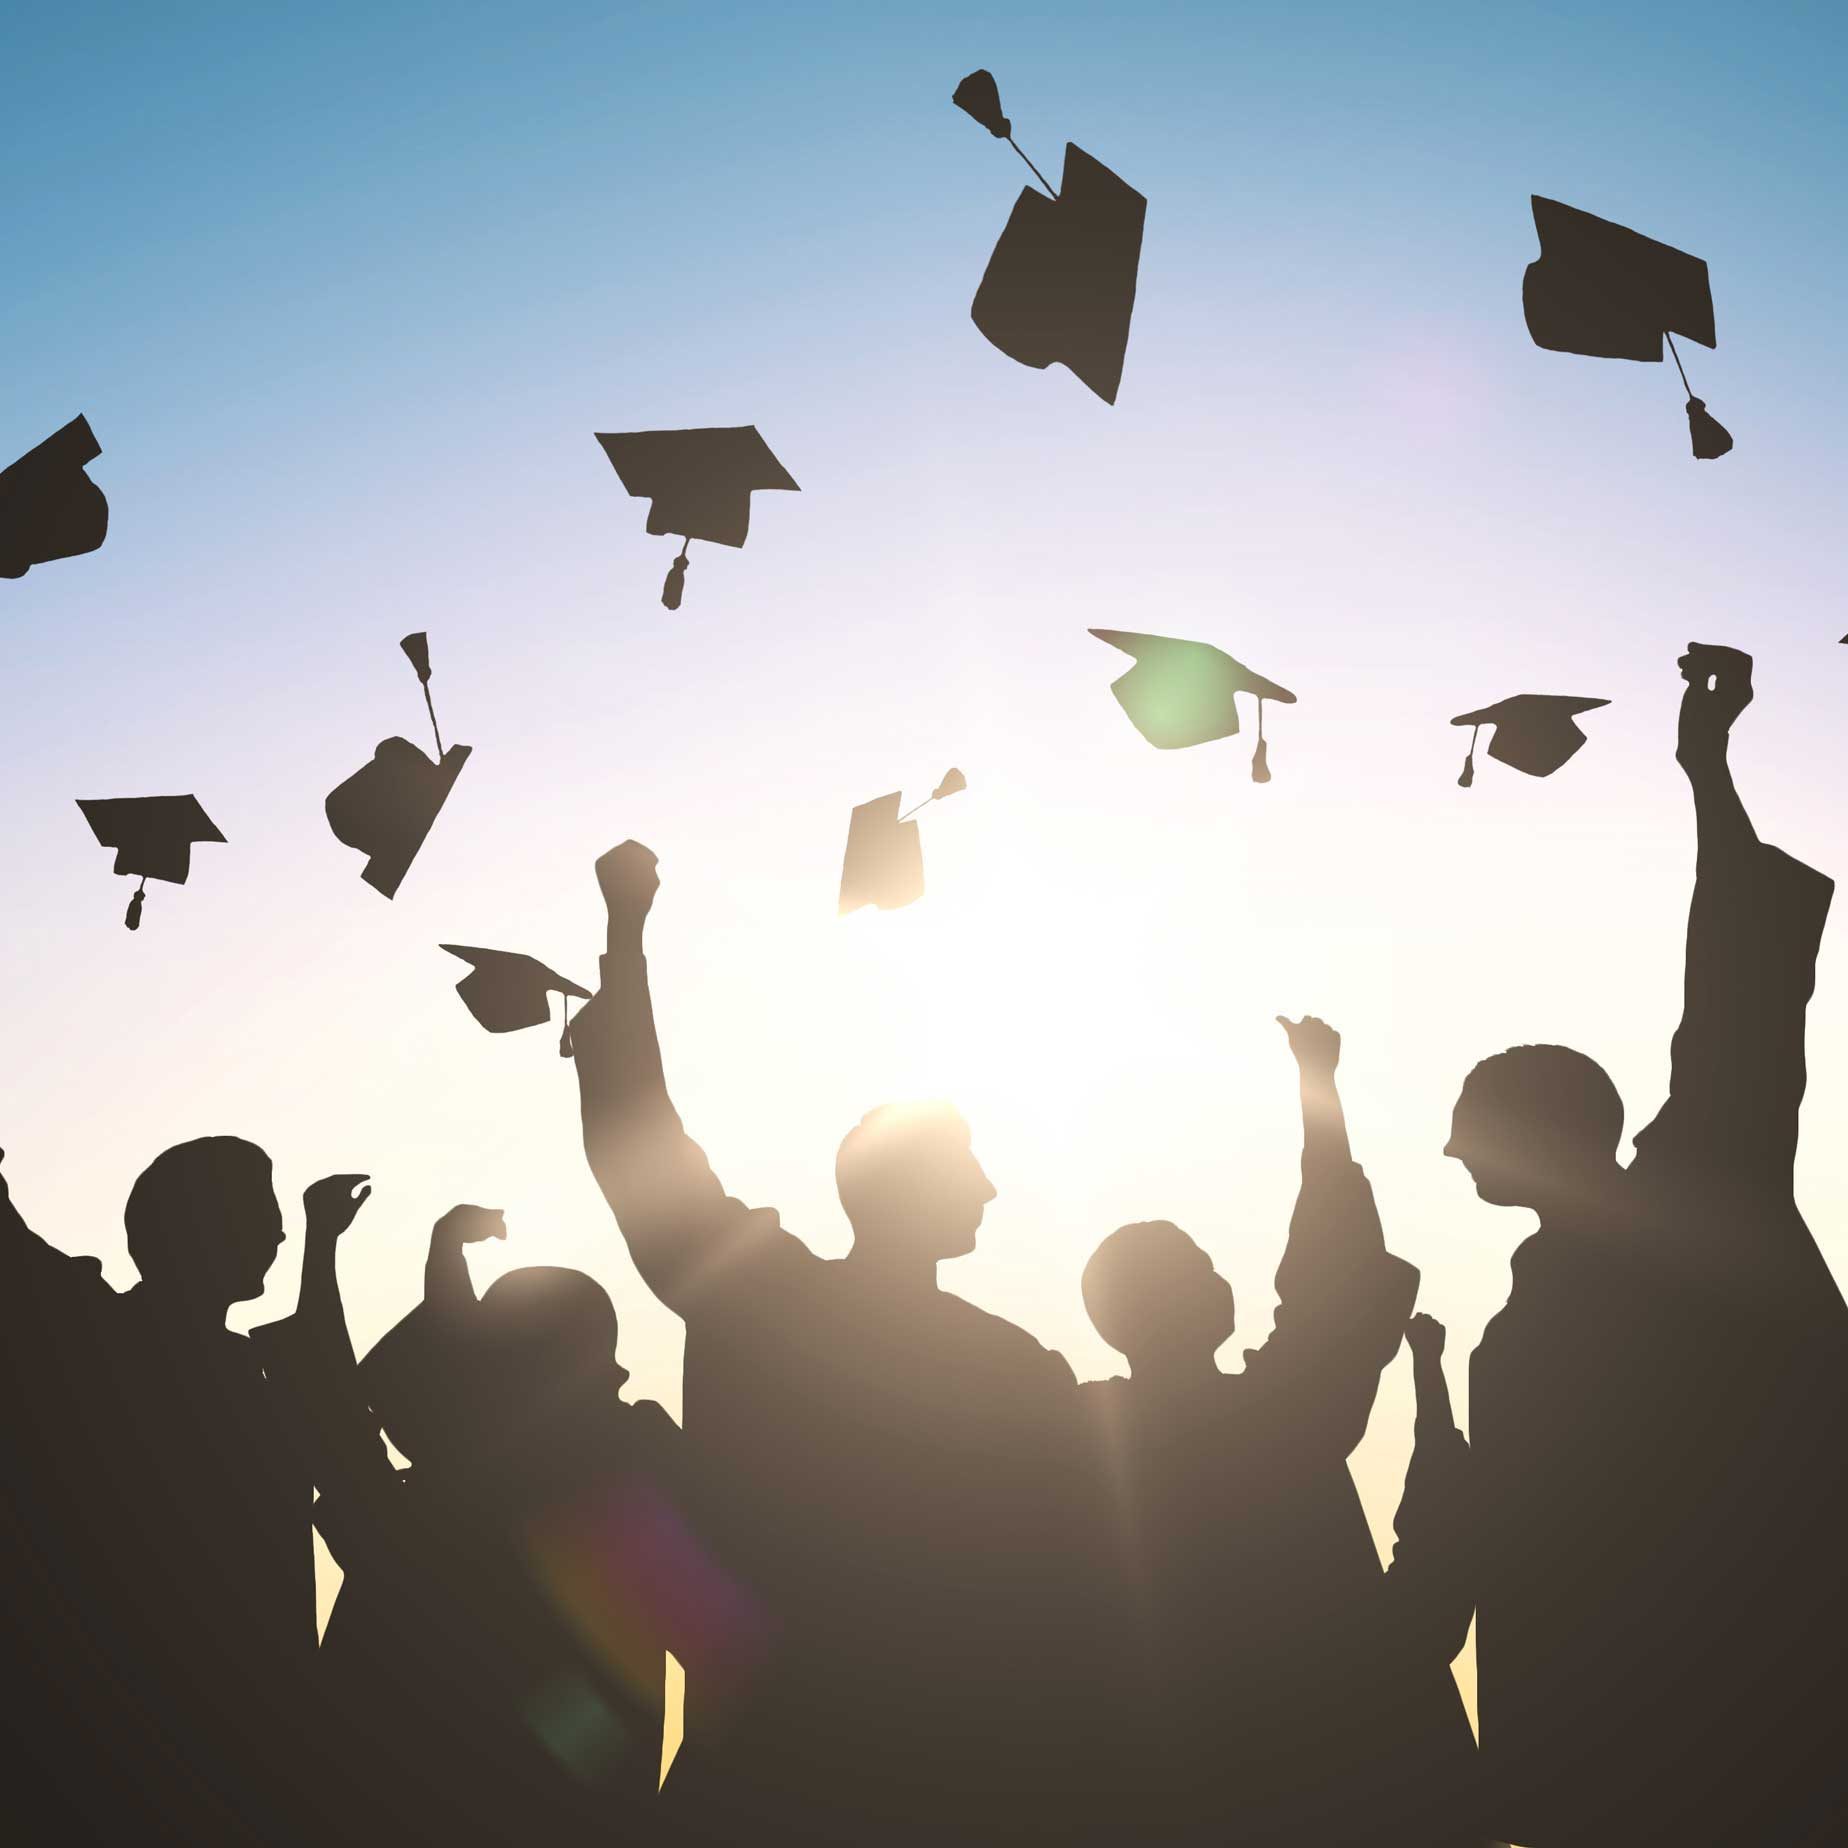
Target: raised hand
(629, 882)
(1315, 1043)
(469, 1225)
(1424, 1335)
(1708, 710)
(331, 1204)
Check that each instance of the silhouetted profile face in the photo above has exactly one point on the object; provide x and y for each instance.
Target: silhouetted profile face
(909, 1182)
(1153, 1294)
(1537, 1126)
(203, 1223)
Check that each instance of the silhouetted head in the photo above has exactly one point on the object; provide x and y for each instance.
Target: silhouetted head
(552, 1335)
(910, 1183)
(1538, 1126)
(203, 1223)
(1154, 1295)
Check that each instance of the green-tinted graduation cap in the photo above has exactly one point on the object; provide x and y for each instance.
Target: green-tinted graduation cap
(49, 508)
(506, 990)
(153, 837)
(1533, 732)
(1180, 693)
(698, 483)
(1604, 290)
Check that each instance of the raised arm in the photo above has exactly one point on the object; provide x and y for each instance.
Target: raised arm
(39, 1284)
(309, 1358)
(1721, 1151)
(1342, 1298)
(668, 1202)
(1429, 1590)
(448, 1287)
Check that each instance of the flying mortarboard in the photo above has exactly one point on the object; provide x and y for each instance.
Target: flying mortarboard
(1061, 284)
(387, 808)
(1609, 292)
(1180, 694)
(698, 483)
(49, 508)
(153, 837)
(884, 862)
(506, 991)
(1534, 732)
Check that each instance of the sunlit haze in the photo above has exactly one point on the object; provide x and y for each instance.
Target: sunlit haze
(345, 296)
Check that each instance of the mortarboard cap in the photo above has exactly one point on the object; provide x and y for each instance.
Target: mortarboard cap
(506, 991)
(1180, 693)
(1533, 732)
(884, 863)
(698, 484)
(1061, 284)
(153, 837)
(49, 508)
(387, 808)
(1603, 290)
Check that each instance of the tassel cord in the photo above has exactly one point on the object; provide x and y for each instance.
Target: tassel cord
(1675, 355)
(1018, 149)
(430, 707)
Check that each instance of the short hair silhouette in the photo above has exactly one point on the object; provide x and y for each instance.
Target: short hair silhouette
(202, 1210)
(1548, 1095)
(549, 1311)
(906, 1168)
(1148, 1284)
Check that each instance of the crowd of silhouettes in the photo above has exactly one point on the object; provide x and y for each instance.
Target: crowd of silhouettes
(925, 1588)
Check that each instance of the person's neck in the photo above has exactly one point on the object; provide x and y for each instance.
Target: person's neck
(894, 1265)
(1176, 1374)
(1590, 1200)
(184, 1308)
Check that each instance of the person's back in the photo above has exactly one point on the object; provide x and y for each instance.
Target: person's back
(1657, 1410)
(500, 1638)
(890, 1474)
(1263, 1701)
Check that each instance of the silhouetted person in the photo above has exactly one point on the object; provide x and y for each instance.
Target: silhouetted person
(1658, 1412)
(891, 1470)
(160, 1573)
(1265, 1701)
(502, 1630)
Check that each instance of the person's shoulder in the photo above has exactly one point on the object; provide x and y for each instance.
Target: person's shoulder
(650, 1423)
(1009, 1341)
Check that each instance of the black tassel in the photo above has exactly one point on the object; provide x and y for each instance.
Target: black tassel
(1469, 762)
(565, 1048)
(979, 95)
(133, 920)
(1260, 758)
(676, 581)
(1711, 438)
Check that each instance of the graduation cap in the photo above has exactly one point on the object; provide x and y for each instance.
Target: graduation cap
(1062, 281)
(698, 483)
(884, 862)
(1534, 732)
(1609, 292)
(153, 837)
(1181, 693)
(49, 508)
(386, 808)
(506, 991)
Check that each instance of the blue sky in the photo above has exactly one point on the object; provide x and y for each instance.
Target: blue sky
(345, 292)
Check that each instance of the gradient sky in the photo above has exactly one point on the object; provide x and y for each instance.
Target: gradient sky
(345, 292)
